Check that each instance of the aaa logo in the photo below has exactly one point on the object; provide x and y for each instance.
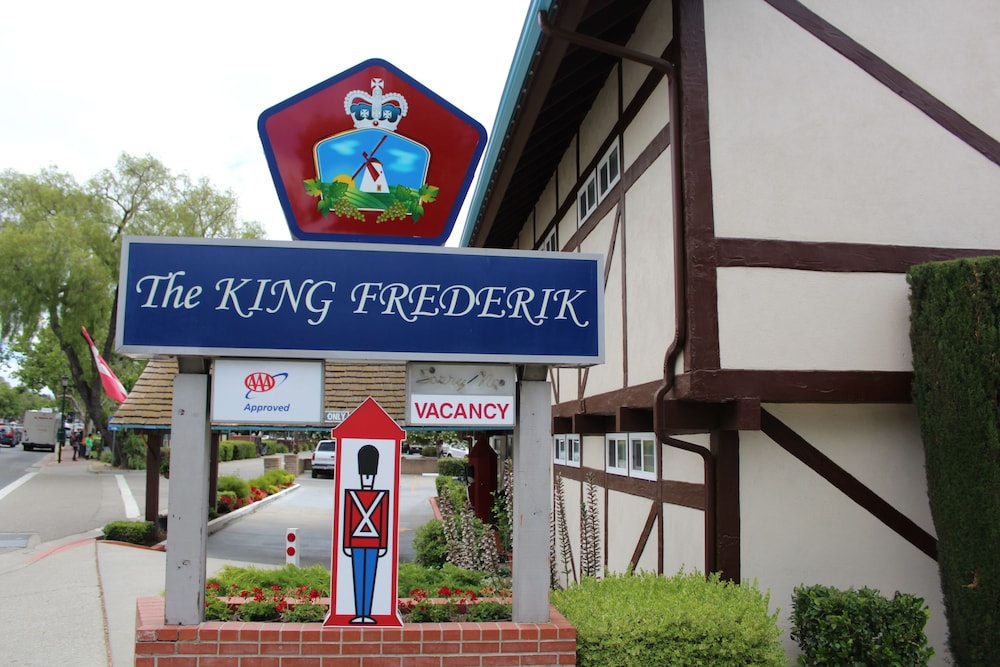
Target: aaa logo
(259, 383)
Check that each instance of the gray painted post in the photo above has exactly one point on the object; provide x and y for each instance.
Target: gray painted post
(532, 502)
(187, 523)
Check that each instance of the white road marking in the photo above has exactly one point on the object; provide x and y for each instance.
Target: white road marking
(13, 485)
(131, 507)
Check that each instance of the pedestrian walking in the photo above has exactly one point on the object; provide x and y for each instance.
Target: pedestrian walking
(87, 445)
(75, 442)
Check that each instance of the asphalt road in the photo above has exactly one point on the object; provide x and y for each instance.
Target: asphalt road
(42, 501)
(260, 537)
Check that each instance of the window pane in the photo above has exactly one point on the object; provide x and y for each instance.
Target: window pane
(644, 455)
(613, 164)
(574, 449)
(592, 192)
(604, 179)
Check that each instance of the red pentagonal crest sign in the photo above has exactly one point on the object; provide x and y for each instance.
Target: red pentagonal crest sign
(370, 155)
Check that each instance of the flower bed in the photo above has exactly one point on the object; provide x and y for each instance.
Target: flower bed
(261, 644)
(303, 604)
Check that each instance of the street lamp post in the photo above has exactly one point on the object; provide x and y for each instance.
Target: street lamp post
(62, 419)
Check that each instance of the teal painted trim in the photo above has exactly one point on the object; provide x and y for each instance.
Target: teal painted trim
(531, 34)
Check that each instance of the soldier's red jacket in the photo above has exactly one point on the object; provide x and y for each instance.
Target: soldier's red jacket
(366, 519)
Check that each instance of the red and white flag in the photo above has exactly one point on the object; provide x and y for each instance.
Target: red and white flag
(112, 385)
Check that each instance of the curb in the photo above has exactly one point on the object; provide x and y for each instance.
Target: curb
(221, 522)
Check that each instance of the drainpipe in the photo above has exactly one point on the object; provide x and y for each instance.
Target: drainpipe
(680, 279)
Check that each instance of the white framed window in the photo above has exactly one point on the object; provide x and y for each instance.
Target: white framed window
(608, 171)
(642, 455)
(599, 184)
(586, 200)
(573, 450)
(616, 453)
(559, 448)
(550, 244)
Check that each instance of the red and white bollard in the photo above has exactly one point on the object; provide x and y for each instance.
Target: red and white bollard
(292, 547)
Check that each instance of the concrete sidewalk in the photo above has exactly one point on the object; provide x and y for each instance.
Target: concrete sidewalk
(72, 601)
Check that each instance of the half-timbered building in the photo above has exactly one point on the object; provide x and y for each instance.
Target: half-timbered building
(759, 176)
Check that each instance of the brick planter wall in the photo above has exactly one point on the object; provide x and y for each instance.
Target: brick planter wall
(236, 644)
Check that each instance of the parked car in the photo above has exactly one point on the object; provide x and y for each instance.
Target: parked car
(454, 450)
(324, 458)
(10, 435)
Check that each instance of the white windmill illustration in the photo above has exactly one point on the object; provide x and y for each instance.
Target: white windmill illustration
(373, 179)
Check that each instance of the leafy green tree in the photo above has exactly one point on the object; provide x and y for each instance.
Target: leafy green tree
(15, 400)
(60, 244)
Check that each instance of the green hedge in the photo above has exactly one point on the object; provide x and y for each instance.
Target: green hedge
(133, 532)
(649, 620)
(429, 545)
(955, 339)
(233, 483)
(835, 627)
(452, 467)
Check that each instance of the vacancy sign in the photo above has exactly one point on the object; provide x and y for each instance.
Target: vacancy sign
(460, 395)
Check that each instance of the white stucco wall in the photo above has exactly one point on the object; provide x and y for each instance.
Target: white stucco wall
(683, 539)
(609, 375)
(599, 121)
(797, 529)
(808, 320)
(806, 146)
(626, 516)
(649, 252)
(650, 37)
(683, 466)
(931, 41)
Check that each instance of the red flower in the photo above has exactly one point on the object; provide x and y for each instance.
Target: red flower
(444, 592)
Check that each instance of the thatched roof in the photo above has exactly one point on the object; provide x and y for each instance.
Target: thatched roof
(345, 387)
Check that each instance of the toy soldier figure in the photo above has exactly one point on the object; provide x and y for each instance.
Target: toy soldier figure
(366, 532)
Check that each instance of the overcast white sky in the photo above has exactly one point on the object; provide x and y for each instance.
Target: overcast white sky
(185, 81)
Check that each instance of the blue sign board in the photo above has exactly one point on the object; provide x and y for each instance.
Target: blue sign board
(223, 297)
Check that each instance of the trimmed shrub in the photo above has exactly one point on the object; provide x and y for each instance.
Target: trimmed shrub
(225, 451)
(430, 451)
(456, 491)
(429, 545)
(247, 578)
(242, 449)
(233, 483)
(834, 627)
(133, 532)
(451, 467)
(649, 620)
(275, 477)
(955, 338)
(431, 579)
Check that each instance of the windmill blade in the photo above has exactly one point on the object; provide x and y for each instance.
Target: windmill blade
(368, 157)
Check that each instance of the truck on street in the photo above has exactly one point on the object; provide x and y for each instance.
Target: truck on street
(41, 430)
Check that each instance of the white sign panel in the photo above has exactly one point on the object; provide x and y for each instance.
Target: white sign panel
(250, 391)
(460, 395)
